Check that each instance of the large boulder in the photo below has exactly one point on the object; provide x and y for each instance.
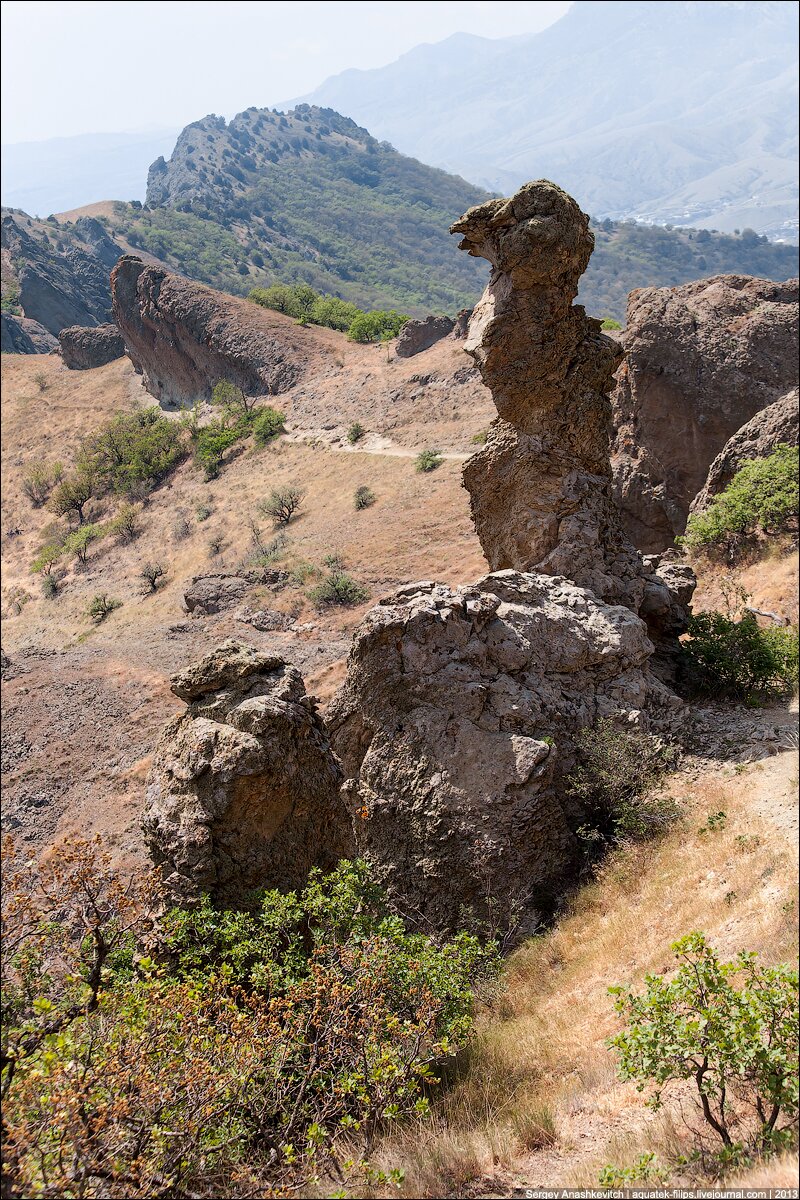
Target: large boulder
(83, 348)
(184, 338)
(776, 425)
(416, 336)
(456, 726)
(701, 360)
(20, 335)
(244, 791)
(207, 594)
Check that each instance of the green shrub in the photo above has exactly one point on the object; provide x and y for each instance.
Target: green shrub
(203, 511)
(212, 441)
(78, 542)
(268, 424)
(47, 558)
(39, 481)
(333, 313)
(282, 504)
(616, 779)
(428, 460)
(355, 433)
(723, 656)
(102, 606)
(133, 452)
(50, 587)
(479, 438)
(728, 1030)
(762, 498)
(125, 524)
(229, 396)
(73, 493)
(338, 588)
(610, 324)
(295, 300)
(370, 326)
(363, 497)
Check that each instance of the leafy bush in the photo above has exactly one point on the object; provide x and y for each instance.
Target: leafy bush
(723, 656)
(78, 542)
(333, 313)
(479, 438)
(211, 443)
(102, 606)
(646, 1170)
(762, 498)
(296, 300)
(125, 525)
(616, 779)
(228, 395)
(428, 460)
(133, 452)
(73, 494)
(338, 588)
(49, 587)
(268, 424)
(269, 1052)
(371, 326)
(363, 497)
(39, 481)
(355, 433)
(282, 504)
(737, 1045)
(609, 323)
(203, 511)
(46, 559)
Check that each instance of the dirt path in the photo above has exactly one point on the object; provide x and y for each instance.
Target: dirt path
(371, 443)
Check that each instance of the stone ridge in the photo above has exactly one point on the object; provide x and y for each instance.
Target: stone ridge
(184, 337)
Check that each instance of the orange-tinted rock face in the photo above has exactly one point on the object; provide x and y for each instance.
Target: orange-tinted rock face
(701, 361)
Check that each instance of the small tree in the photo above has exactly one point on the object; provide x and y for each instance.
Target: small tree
(39, 481)
(77, 543)
(125, 525)
(282, 504)
(102, 606)
(338, 588)
(428, 460)
(355, 433)
(46, 559)
(73, 494)
(228, 395)
(152, 573)
(736, 1044)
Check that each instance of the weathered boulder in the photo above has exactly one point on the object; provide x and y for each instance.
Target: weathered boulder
(774, 426)
(214, 592)
(416, 336)
(20, 335)
(244, 790)
(85, 347)
(702, 359)
(541, 489)
(455, 726)
(184, 337)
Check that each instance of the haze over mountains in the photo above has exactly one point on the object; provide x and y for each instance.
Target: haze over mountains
(677, 112)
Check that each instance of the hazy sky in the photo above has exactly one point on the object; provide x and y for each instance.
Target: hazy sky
(86, 67)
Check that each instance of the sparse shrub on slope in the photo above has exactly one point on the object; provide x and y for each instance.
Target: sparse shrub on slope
(282, 504)
(338, 588)
(363, 497)
(267, 1052)
(39, 481)
(268, 424)
(428, 460)
(212, 441)
(728, 1031)
(617, 780)
(723, 656)
(762, 498)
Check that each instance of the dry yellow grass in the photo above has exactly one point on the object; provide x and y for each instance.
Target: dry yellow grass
(541, 1045)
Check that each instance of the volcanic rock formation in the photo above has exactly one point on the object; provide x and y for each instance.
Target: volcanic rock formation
(83, 348)
(776, 425)
(20, 335)
(416, 336)
(455, 727)
(244, 789)
(701, 361)
(184, 338)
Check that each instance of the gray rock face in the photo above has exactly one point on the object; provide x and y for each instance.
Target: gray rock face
(455, 727)
(701, 361)
(774, 426)
(212, 593)
(244, 791)
(58, 290)
(184, 338)
(82, 348)
(416, 336)
(23, 336)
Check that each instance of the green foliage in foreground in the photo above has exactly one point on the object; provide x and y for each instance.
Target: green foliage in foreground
(762, 498)
(723, 656)
(261, 1056)
(729, 1031)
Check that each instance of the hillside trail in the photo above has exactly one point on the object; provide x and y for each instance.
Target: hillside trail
(765, 782)
(372, 443)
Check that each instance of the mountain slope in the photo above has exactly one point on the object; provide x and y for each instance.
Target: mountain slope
(673, 112)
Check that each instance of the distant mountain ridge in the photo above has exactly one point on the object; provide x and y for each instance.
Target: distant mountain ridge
(671, 111)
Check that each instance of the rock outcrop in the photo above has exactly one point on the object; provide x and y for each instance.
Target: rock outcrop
(212, 593)
(701, 361)
(416, 336)
(244, 788)
(58, 289)
(83, 348)
(776, 425)
(455, 727)
(541, 489)
(184, 338)
(20, 335)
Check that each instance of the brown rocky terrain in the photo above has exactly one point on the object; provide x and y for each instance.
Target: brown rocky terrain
(83, 348)
(20, 335)
(701, 360)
